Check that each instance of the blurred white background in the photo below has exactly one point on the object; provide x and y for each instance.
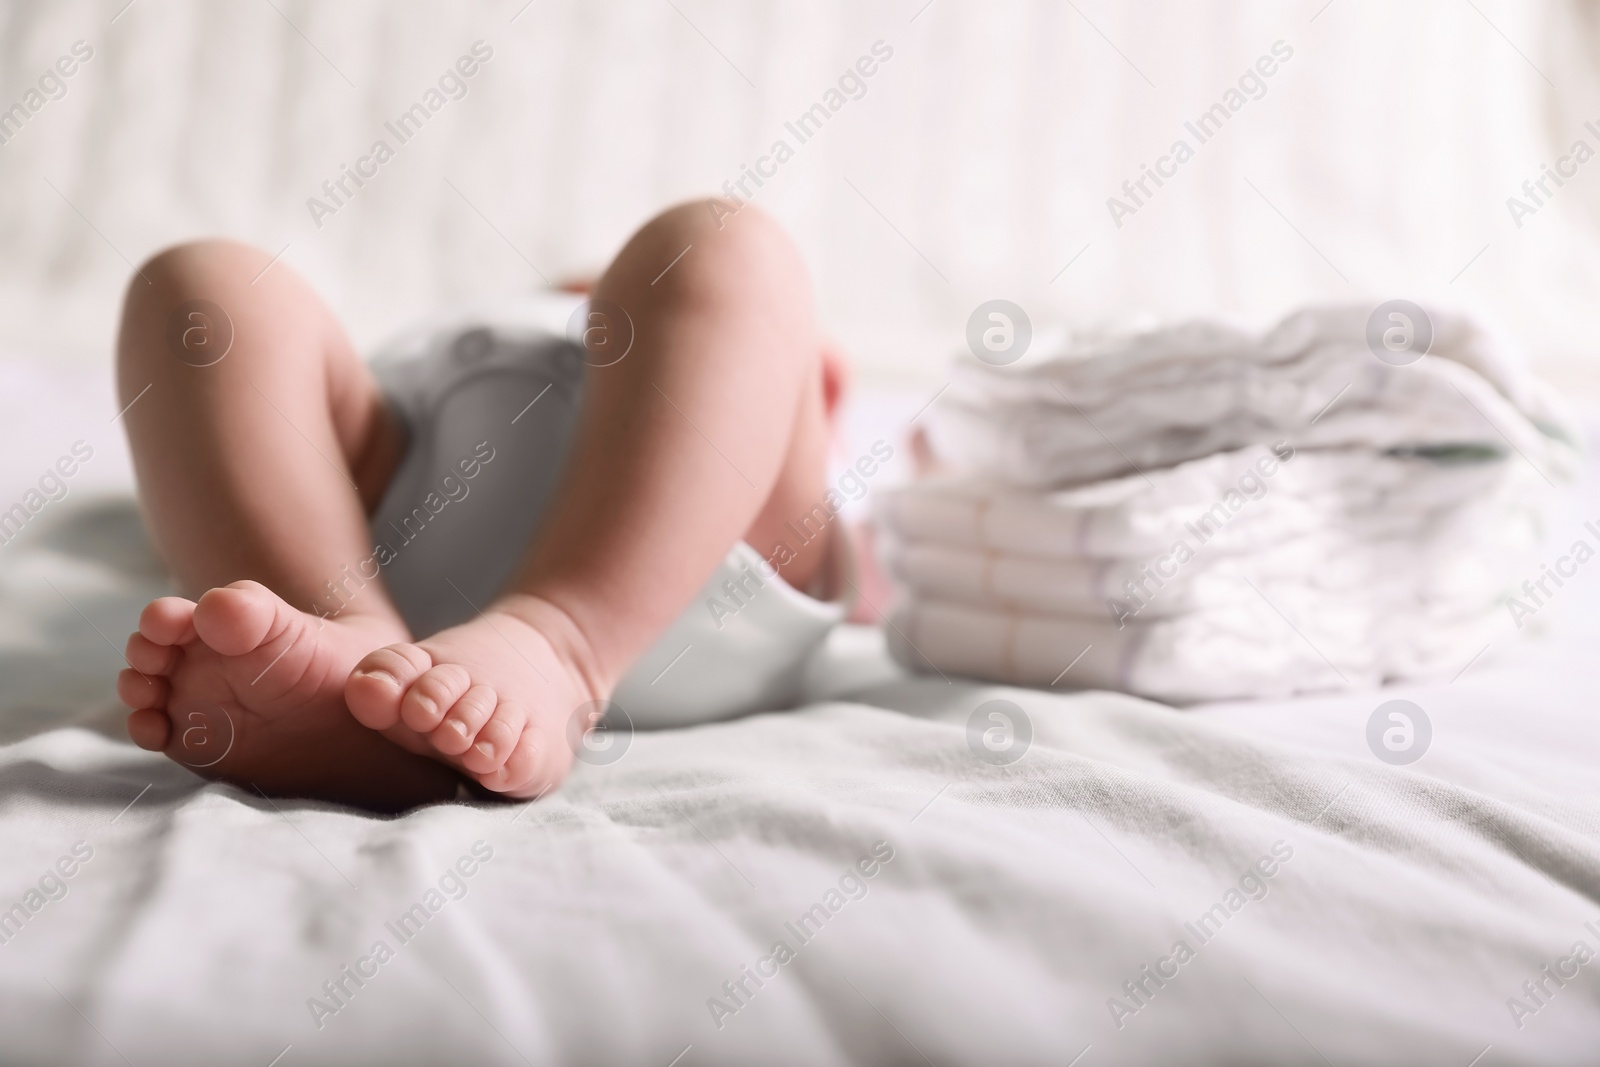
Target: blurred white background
(1377, 163)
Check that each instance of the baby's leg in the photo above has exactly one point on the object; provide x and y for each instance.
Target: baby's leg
(257, 466)
(711, 429)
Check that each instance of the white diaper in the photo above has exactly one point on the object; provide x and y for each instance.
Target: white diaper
(489, 400)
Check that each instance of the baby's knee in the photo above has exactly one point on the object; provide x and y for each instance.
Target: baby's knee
(742, 220)
(192, 265)
(184, 299)
(194, 270)
(724, 246)
(741, 232)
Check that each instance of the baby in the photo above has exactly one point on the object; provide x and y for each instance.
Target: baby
(577, 496)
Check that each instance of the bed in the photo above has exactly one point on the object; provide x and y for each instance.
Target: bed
(933, 905)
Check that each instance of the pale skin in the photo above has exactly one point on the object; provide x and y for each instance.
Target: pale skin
(257, 473)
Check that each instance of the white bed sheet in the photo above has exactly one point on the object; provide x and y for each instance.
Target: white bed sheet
(1018, 900)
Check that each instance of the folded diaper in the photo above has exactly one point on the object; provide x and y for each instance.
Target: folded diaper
(1115, 405)
(1240, 537)
(1241, 650)
(1237, 501)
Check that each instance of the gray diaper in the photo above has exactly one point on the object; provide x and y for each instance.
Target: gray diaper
(488, 418)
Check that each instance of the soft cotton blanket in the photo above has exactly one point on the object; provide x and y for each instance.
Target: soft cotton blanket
(1297, 900)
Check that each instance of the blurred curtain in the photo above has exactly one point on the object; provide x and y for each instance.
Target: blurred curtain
(1377, 160)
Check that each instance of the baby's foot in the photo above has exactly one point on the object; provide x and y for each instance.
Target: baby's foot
(242, 686)
(493, 696)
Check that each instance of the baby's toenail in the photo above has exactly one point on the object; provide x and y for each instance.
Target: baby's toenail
(457, 726)
(485, 747)
(381, 675)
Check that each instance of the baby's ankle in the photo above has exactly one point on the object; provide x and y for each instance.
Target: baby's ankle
(566, 636)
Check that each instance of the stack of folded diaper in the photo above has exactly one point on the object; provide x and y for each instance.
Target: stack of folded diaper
(1200, 514)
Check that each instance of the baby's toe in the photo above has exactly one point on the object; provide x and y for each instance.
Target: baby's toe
(433, 694)
(524, 772)
(168, 620)
(235, 619)
(378, 683)
(496, 740)
(137, 690)
(462, 722)
(150, 729)
(147, 657)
